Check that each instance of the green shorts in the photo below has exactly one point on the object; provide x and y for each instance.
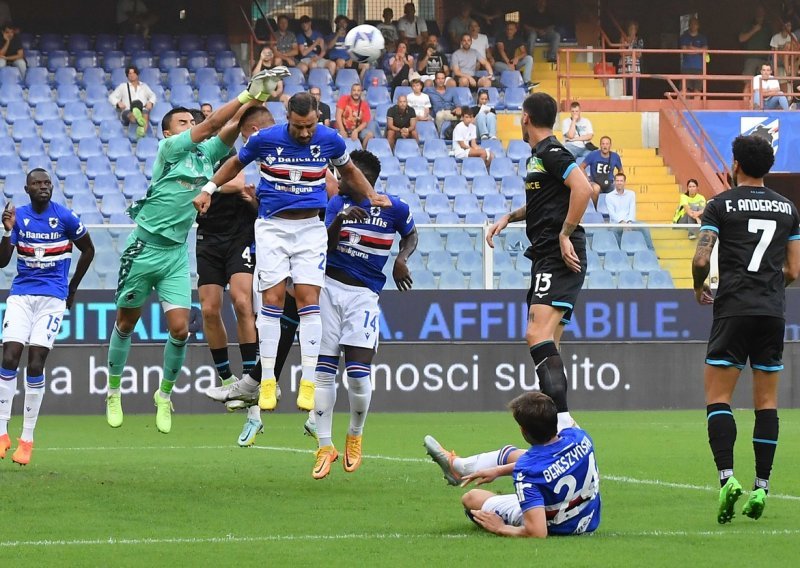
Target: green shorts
(145, 267)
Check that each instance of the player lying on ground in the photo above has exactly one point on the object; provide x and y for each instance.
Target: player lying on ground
(759, 255)
(42, 233)
(156, 256)
(556, 481)
(359, 238)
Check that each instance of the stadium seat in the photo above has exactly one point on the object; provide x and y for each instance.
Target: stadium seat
(78, 42)
(113, 203)
(189, 42)
(68, 165)
(632, 242)
(319, 77)
(236, 76)
(117, 77)
(84, 203)
(151, 76)
(110, 129)
(398, 183)
(161, 42)
(10, 165)
(660, 279)
(458, 241)
(475, 218)
(46, 111)
(95, 95)
(82, 128)
(277, 109)
(470, 262)
(131, 43)
(113, 60)
(217, 42)
(429, 241)
(93, 76)
(502, 167)
(7, 146)
(425, 184)
(371, 75)
(463, 96)
(411, 199)
(439, 261)
(630, 280)
(168, 60)
(38, 94)
(209, 92)
(346, 78)
(34, 76)
(379, 114)
(85, 60)
(602, 208)
(518, 150)
(205, 76)
(416, 166)
(97, 165)
(135, 185)
(196, 60)
(472, 167)
(447, 218)
(42, 161)
(89, 147)
(17, 110)
(75, 110)
(119, 148)
(444, 167)
(105, 184)
(514, 97)
(452, 280)
(224, 60)
(600, 280)
(52, 128)
(157, 114)
(75, 184)
(424, 280)
(352, 145)
(66, 76)
(93, 218)
(389, 166)
(11, 92)
(495, 146)
(511, 78)
(10, 75)
(465, 204)
(616, 261)
(511, 280)
(405, 149)
(380, 147)
(377, 95)
(31, 146)
(426, 130)
(590, 217)
(179, 92)
(105, 42)
(455, 185)
(56, 59)
(604, 241)
(434, 149)
(495, 205)
(106, 263)
(103, 112)
(483, 186)
(126, 165)
(502, 262)
(645, 261)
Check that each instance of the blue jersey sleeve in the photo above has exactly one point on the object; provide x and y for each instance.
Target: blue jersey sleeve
(528, 493)
(15, 233)
(334, 206)
(336, 149)
(250, 151)
(403, 220)
(74, 229)
(616, 163)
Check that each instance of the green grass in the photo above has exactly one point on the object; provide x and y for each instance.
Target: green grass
(153, 494)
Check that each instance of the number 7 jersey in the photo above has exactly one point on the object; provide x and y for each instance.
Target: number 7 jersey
(754, 225)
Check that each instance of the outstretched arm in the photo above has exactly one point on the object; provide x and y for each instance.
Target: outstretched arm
(360, 189)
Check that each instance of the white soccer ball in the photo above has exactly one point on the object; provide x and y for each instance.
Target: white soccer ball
(365, 43)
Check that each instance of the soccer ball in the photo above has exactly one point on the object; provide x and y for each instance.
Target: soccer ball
(365, 43)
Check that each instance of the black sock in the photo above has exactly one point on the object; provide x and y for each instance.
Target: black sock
(721, 438)
(221, 362)
(249, 353)
(765, 442)
(550, 370)
(255, 372)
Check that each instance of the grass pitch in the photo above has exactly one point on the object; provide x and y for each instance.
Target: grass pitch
(94, 496)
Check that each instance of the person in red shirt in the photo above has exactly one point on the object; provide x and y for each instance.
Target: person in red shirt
(353, 117)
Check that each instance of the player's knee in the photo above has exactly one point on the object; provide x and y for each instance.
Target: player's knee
(211, 312)
(472, 499)
(242, 305)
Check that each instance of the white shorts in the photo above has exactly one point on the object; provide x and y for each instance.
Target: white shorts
(33, 320)
(507, 506)
(290, 247)
(350, 316)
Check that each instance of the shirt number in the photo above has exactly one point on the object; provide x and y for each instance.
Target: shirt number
(588, 492)
(767, 229)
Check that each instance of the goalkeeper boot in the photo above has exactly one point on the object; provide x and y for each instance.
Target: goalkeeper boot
(114, 410)
(140, 121)
(352, 453)
(251, 429)
(268, 394)
(305, 395)
(5, 445)
(728, 495)
(237, 390)
(22, 455)
(755, 504)
(163, 413)
(443, 459)
(326, 455)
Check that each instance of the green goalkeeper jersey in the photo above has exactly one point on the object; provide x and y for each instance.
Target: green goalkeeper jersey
(180, 171)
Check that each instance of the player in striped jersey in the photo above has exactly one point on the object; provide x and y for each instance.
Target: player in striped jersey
(359, 238)
(42, 233)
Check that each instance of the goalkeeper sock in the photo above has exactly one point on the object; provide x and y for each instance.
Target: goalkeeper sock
(471, 464)
(118, 348)
(174, 354)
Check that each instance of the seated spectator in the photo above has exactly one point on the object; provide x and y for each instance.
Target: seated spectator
(691, 207)
(485, 117)
(480, 42)
(464, 63)
(133, 17)
(352, 116)
(267, 61)
(133, 99)
(323, 109)
(539, 22)
(513, 54)
(755, 36)
(401, 122)
(412, 29)
(784, 40)
(337, 50)
(459, 25)
(419, 101)
(465, 139)
(443, 101)
(400, 65)
(387, 28)
(287, 49)
(11, 51)
(206, 109)
(692, 63)
(766, 89)
(600, 167)
(577, 132)
(431, 61)
(621, 202)
(312, 49)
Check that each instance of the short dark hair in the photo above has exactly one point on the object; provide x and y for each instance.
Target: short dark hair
(620, 174)
(368, 163)
(130, 68)
(466, 35)
(694, 181)
(305, 19)
(575, 104)
(9, 26)
(754, 154)
(466, 110)
(302, 104)
(253, 112)
(541, 109)
(606, 137)
(198, 115)
(536, 414)
(206, 104)
(35, 171)
(165, 122)
(283, 17)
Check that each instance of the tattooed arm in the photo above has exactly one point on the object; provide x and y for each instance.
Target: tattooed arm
(701, 266)
(580, 192)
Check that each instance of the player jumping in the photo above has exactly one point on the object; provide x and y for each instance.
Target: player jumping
(759, 255)
(43, 233)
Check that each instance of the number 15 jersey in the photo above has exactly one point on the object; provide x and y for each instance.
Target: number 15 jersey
(754, 225)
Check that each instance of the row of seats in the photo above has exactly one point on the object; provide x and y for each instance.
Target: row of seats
(130, 43)
(111, 60)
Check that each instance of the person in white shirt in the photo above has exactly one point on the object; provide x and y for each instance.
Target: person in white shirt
(621, 202)
(480, 42)
(784, 40)
(412, 29)
(577, 132)
(465, 137)
(133, 100)
(766, 89)
(419, 101)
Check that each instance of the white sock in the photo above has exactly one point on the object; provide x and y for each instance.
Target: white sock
(324, 401)
(250, 381)
(8, 387)
(471, 464)
(254, 413)
(360, 393)
(311, 418)
(34, 393)
(165, 395)
(565, 421)
(269, 334)
(310, 332)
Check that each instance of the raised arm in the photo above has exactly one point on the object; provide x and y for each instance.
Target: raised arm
(360, 187)
(502, 223)
(6, 248)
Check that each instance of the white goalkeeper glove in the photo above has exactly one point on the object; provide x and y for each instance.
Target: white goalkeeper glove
(263, 84)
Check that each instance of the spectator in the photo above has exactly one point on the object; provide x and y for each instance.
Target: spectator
(337, 50)
(287, 49)
(206, 109)
(419, 101)
(692, 63)
(621, 203)
(480, 42)
(431, 61)
(443, 101)
(323, 109)
(412, 29)
(387, 28)
(540, 23)
(133, 17)
(352, 116)
(464, 63)
(267, 61)
(11, 51)
(691, 207)
(577, 132)
(485, 117)
(400, 65)
(766, 89)
(756, 36)
(312, 49)
(512, 53)
(459, 25)
(465, 139)
(630, 40)
(784, 40)
(401, 122)
(133, 99)
(600, 167)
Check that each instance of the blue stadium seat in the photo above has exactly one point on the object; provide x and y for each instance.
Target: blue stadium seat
(97, 165)
(93, 218)
(41, 161)
(514, 97)
(189, 42)
(277, 109)
(352, 145)
(10, 75)
(494, 97)
(23, 128)
(448, 218)
(134, 185)
(458, 241)
(591, 216)
(511, 280)
(346, 78)
(412, 199)
(52, 128)
(380, 147)
(85, 60)
(502, 167)
(209, 92)
(465, 204)
(51, 42)
(319, 77)
(34, 58)
(17, 110)
(119, 148)
(90, 147)
(475, 218)
(377, 95)
(632, 242)
(518, 150)
(7, 146)
(416, 166)
(117, 77)
(74, 111)
(495, 205)
(495, 146)
(425, 184)
(197, 60)
(180, 92)
(616, 261)
(105, 43)
(168, 60)
(11, 92)
(45, 111)
(126, 166)
(470, 262)
(56, 59)
(426, 130)
(473, 167)
(600, 280)
(161, 42)
(593, 262)
(78, 42)
(434, 149)
(68, 165)
(84, 203)
(93, 76)
(660, 279)
(424, 280)
(157, 113)
(66, 76)
(373, 73)
(645, 261)
(113, 203)
(439, 261)
(429, 241)
(102, 112)
(389, 166)
(217, 42)
(502, 261)
(34, 76)
(602, 208)
(236, 76)
(455, 185)
(405, 149)
(444, 167)
(39, 94)
(483, 186)
(96, 94)
(398, 183)
(110, 129)
(91, 280)
(10, 165)
(398, 91)
(437, 203)
(604, 241)
(206, 76)
(511, 78)
(132, 42)
(75, 184)
(106, 263)
(452, 280)
(151, 76)
(296, 77)
(113, 60)
(105, 184)
(463, 96)
(630, 280)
